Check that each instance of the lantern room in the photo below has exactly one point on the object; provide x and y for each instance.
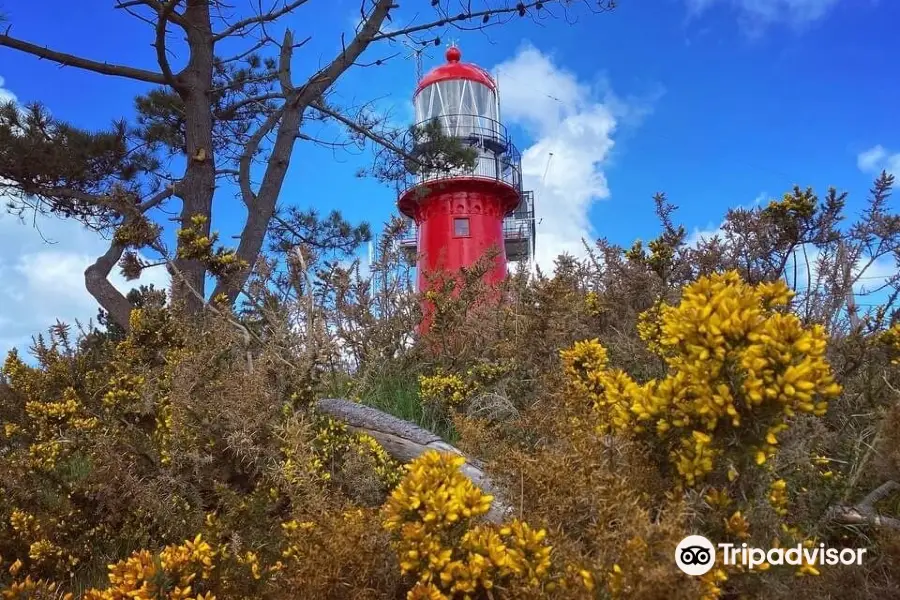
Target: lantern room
(462, 97)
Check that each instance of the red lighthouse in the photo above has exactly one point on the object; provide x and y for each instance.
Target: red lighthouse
(462, 213)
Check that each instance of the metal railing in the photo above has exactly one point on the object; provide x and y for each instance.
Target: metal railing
(519, 232)
(518, 226)
(463, 125)
(497, 157)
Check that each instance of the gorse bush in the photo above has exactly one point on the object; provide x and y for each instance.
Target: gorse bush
(432, 512)
(735, 366)
(738, 371)
(617, 405)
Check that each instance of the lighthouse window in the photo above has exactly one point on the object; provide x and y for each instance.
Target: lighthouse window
(461, 227)
(448, 100)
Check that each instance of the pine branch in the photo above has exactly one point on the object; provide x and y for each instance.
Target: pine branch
(155, 200)
(364, 131)
(70, 60)
(229, 111)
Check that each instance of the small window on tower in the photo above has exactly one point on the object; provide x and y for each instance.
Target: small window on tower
(461, 227)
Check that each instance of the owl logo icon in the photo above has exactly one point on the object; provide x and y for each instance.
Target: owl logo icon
(695, 555)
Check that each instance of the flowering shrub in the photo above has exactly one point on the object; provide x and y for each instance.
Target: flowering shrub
(334, 443)
(443, 388)
(193, 244)
(434, 512)
(176, 573)
(739, 370)
(734, 363)
(452, 390)
(891, 339)
(111, 452)
(684, 405)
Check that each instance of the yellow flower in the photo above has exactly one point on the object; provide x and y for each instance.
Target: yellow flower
(138, 576)
(731, 352)
(718, 498)
(425, 591)
(443, 388)
(738, 526)
(433, 512)
(15, 567)
(778, 496)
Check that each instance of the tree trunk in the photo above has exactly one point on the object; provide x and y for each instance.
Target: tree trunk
(96, 280)
(196, 190)
(405, 441)
(261, 208)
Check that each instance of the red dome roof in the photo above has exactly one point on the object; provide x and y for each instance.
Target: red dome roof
(454, 69)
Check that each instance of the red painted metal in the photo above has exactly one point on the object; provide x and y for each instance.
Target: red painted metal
(483, 203)
(455, 70)
(435, 206)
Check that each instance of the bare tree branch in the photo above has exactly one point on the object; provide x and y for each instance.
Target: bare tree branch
(321, 81)
(96, 280)
(261, 206)
(258, 20)
(71, 60)
(250, 150)
(244, 54)
(165, 13)
(463, 16)
(364, 131)
(156, 5)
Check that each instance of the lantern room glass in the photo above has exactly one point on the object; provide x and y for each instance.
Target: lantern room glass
(464, 108)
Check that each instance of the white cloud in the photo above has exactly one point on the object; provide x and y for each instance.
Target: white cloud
(5, 95)
(875, 276)
(573, 139)
(42, 277)
(759, 13)
(42, 265)
(703, 235)
(706, 234)
(877, 159)
(537, 93)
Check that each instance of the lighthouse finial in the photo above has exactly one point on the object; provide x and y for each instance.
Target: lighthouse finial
(453, 54)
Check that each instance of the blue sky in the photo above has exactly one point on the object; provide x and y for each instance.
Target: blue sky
(716, 102)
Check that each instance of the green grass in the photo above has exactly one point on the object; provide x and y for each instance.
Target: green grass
(398, 395)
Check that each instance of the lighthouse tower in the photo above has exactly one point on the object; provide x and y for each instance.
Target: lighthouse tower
(459, 214)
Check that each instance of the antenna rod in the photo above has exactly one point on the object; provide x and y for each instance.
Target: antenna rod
(546, 169)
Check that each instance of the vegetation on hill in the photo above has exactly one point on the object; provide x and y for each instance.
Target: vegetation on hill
(732, 387)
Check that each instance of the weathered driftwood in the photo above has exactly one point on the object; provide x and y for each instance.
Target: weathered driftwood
(864, 512)
(405, 441)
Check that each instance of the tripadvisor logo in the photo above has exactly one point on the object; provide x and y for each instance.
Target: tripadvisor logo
(696, 555)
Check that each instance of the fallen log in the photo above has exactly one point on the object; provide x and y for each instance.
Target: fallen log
(864, 513)
(405, 441)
